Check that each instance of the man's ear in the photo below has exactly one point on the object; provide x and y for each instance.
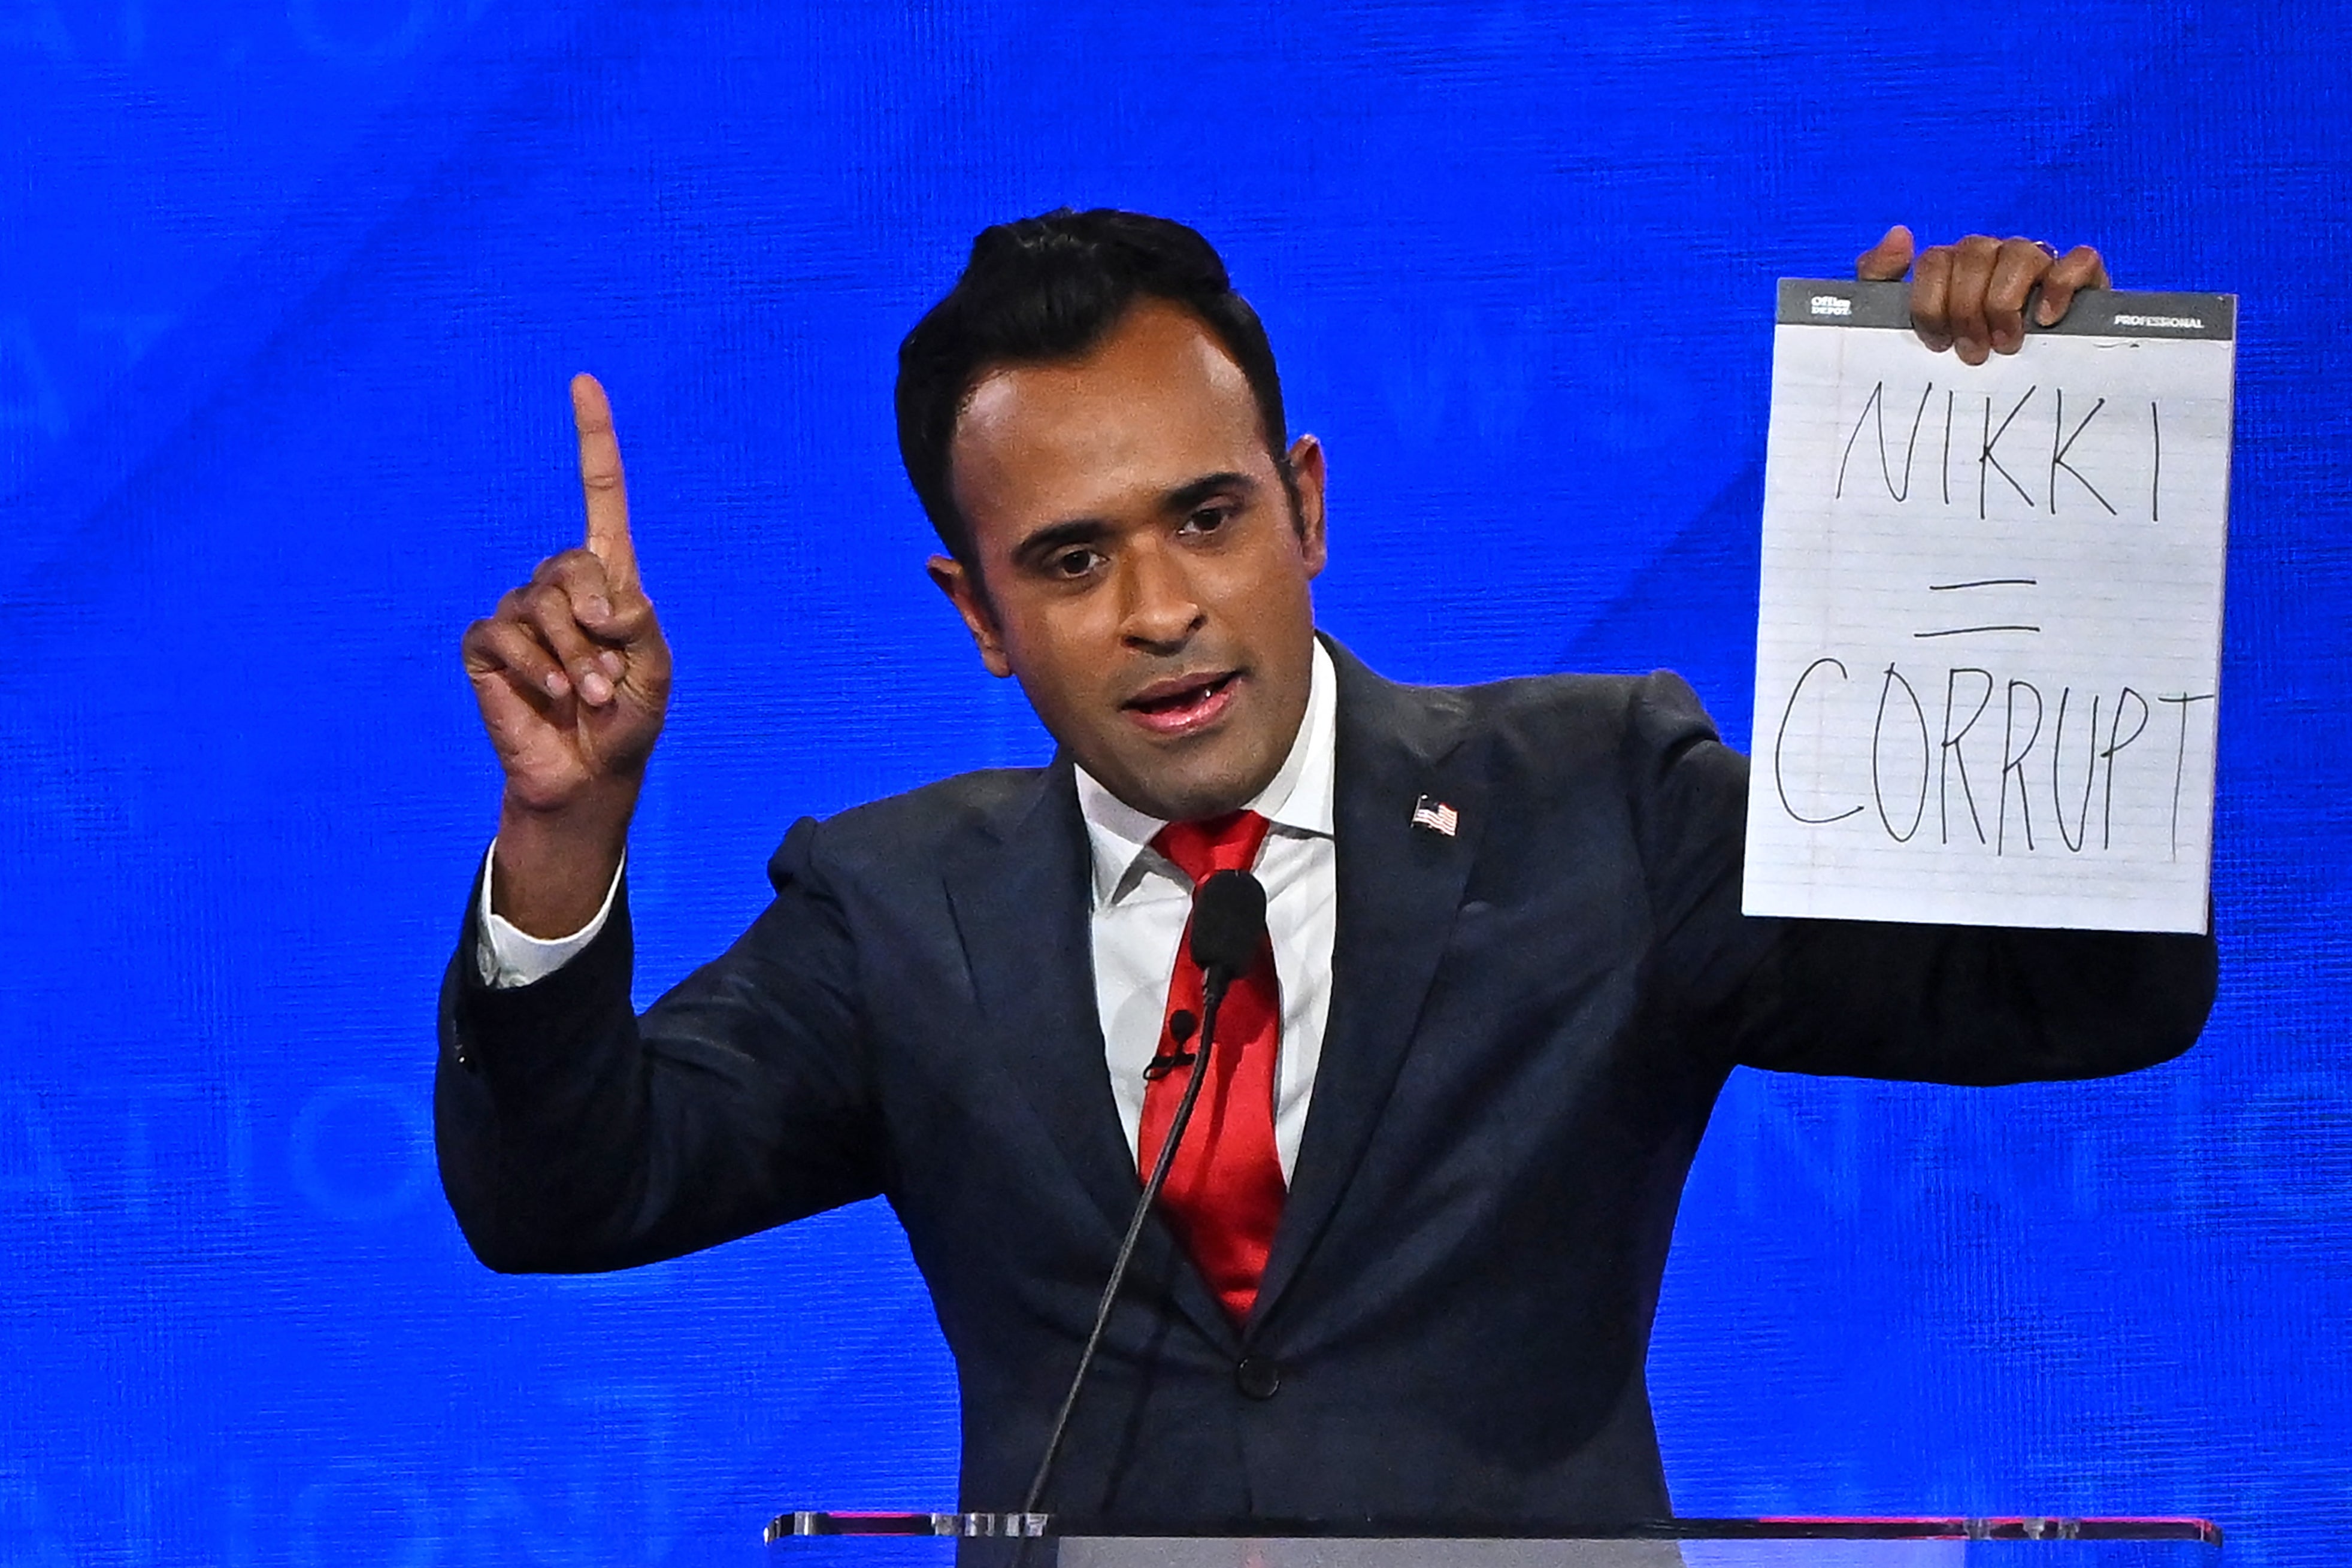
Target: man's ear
(1306, 456)
(962, 589)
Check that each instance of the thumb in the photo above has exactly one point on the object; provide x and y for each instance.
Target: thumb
(1888, 260)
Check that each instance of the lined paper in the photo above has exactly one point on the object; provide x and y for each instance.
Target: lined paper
(1988, 640)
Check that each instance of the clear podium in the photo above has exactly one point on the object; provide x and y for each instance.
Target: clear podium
(815, 1540)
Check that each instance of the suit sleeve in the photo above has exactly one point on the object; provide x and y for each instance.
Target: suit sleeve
(1961, 1004)
(576, 1136)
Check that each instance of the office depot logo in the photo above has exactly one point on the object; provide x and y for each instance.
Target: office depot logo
(1832, 305)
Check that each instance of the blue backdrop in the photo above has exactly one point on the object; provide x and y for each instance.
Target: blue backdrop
(289, 293)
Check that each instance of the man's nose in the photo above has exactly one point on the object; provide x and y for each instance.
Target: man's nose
(1159, 608)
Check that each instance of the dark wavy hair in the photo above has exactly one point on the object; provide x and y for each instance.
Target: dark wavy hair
(1051, 288)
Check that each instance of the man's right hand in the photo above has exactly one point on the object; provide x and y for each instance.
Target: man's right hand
(572, 677)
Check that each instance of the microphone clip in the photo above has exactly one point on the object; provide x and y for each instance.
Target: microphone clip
(1180, 1027)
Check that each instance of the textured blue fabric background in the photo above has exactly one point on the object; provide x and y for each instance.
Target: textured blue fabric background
(289, 292)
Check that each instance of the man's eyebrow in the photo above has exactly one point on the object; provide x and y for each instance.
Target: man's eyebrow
(1184, 497)
(1053, 536)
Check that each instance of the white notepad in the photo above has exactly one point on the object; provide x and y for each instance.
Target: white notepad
(1988, 644)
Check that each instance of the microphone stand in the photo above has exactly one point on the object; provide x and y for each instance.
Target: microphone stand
(1213, 994)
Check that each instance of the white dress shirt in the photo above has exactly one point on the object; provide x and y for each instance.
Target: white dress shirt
(1141, 901)
(1140, 904)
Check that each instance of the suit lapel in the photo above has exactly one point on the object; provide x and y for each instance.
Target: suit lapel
(1400, 886)
(1021, 895)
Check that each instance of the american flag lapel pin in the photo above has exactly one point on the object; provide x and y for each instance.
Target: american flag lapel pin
(1435, 815)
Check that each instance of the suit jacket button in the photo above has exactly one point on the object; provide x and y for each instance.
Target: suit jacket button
(1258, 1376)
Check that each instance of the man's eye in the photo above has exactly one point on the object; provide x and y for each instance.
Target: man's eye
(1208, 519)
(1072, 563)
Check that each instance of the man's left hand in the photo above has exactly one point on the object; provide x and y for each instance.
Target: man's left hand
(1971, 296)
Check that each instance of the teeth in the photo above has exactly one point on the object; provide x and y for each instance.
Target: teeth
(1191, 696)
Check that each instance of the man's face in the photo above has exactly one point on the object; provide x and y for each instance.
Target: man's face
(1145, 579)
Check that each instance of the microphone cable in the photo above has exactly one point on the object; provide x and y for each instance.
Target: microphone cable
(1228, 925)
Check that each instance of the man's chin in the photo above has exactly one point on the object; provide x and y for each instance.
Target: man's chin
(1186, 795)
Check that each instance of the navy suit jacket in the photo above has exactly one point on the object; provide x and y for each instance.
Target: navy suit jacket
(1530, 1021)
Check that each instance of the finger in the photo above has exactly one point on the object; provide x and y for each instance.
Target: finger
(1887, 260)
(605, 614)
(622, 628)
(506, 668)
(548, 611)
(2080, 268)
(622, 622)
(512, 711)
(500, 650)
(1931, 286)
(1964, 299)
(545, 666)
(2017, 266)
(601, 483)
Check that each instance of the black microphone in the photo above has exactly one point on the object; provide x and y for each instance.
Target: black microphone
(1228, 939)
(1228, 925)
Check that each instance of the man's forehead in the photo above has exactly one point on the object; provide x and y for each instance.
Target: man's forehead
(1155, 404)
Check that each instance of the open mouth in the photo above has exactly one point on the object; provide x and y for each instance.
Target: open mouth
(1176, 707)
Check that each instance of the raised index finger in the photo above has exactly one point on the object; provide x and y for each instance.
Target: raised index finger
(601, 485)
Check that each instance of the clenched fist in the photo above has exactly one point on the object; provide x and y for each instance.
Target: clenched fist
(572, 677)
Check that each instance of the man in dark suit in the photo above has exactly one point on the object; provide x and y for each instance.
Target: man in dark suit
(1412, 1268)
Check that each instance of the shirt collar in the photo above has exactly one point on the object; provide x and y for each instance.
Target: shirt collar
(1296, 800)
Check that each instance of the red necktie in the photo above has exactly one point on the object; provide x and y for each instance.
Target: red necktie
(1225, 1190)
